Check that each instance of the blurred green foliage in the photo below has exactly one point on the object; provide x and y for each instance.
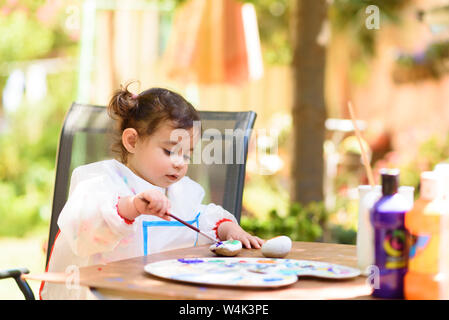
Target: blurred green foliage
(309, 222)
(264, 192)
(431, 152)
(29, 138)
(27, 158)
(23, 38)
(302, 223)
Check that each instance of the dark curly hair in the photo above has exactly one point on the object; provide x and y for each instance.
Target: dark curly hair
(146, 111)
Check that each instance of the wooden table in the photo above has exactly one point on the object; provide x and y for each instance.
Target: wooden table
(126, 279)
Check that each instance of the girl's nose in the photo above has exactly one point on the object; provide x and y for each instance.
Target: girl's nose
(177, 160)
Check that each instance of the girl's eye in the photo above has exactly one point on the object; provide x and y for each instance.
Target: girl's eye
(170, 153)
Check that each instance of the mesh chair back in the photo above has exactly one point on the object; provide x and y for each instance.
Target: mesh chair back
(86, 137)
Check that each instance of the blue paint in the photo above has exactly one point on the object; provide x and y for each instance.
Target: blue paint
(163, 223)
(185, 276)
(191, 261)
(230, 265)
(272, 279)
(291, 265)
(288, 272)
(115, 279)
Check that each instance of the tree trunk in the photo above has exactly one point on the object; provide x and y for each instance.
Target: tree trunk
(309, 112)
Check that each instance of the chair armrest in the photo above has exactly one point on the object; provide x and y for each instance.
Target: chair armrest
(16, 274)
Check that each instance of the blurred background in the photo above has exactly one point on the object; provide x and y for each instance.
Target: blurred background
(295, 62)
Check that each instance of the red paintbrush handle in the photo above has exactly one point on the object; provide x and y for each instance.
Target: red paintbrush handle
(191, 227)
(183, 222)
(186, 224)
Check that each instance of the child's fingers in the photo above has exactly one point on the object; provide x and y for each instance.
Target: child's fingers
(167, 205)
(160, 203)
(246, 242)
(164, 210)
(139, 204)
(165, 217)
(157, 206)
(160, 210)
(254, 242)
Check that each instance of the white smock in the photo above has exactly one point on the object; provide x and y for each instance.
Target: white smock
(91, 232)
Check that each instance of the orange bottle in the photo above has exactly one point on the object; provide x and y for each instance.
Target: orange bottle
(427, 275)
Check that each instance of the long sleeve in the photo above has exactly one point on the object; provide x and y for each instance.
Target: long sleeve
(212, 214)
(89, 220)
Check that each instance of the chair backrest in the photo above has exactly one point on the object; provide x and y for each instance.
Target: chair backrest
(86, 137)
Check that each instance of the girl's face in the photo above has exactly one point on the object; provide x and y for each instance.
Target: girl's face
(162, 158)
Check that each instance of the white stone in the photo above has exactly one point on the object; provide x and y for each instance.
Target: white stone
(277, 247)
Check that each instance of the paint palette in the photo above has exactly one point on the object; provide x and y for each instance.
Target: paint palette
(246, 272)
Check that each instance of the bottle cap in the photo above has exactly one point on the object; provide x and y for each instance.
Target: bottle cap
(429, 185)
(390, 181)
(441, 167)
(442, 171)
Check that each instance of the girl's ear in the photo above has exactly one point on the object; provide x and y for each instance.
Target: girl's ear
(129, 139)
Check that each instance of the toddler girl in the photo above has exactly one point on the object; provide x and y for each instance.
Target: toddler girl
(118, 209)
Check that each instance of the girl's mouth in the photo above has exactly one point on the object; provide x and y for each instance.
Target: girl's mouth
(172, 177)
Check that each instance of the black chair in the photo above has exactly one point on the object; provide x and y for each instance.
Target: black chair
(86, 137)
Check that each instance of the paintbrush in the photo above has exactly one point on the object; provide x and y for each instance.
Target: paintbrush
(192, 227)
(185, 223)
(365, 160)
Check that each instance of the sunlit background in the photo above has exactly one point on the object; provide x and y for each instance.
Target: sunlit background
(225, 55)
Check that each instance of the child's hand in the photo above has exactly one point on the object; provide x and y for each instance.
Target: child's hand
(232, 231)
(152, 202)
(148, 202)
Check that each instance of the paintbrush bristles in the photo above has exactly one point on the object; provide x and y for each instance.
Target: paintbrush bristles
(359, 138)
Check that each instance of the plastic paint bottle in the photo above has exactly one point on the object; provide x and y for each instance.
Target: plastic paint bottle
(368, 195)
(426, 223)
(409, 194)
(442, 171)
(390, 254)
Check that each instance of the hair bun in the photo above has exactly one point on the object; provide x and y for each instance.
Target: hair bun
(123, 103)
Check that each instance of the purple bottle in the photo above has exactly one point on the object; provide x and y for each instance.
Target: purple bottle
(390, 252)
